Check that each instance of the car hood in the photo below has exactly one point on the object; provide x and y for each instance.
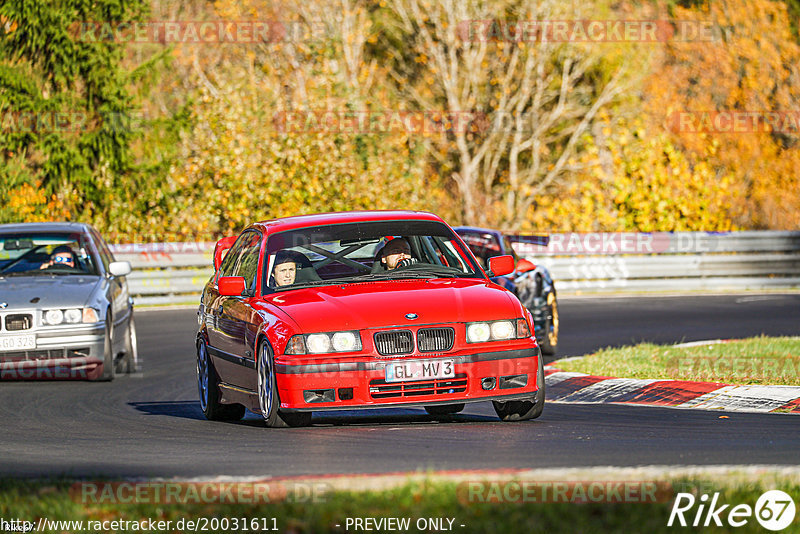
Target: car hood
(385, 304)
(42, 291)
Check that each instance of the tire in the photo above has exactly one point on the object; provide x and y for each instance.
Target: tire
(524, 410)
(108, 372)
(268, 397)
(129, 361)
(208, 389)
(444, 409)
(549, 341)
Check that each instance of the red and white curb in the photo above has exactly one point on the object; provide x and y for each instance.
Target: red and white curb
(587, 389)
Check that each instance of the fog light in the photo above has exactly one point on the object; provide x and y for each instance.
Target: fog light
(488, 383)
(345, 394)
(514, 381)
(318, 395)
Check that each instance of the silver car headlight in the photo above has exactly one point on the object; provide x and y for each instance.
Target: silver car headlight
(69, 316)
(347, 341)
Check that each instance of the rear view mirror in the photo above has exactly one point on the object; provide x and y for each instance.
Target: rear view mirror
(500, 265)
(231, 286)
(18, 244)
(222, 246)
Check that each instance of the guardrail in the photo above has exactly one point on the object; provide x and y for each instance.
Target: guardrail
(175, 273)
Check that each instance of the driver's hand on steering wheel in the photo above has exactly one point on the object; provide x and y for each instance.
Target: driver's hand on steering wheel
(407, 262)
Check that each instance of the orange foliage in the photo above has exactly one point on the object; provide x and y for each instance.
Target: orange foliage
(751, 65)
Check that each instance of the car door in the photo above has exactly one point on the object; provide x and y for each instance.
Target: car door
(221, 342)
(116, 290)
(239, 313)
(227, 329)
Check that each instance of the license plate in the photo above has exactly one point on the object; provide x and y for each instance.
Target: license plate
(424, 370)
(18, 342)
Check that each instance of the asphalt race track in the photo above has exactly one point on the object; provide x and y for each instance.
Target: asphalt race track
(151, 425)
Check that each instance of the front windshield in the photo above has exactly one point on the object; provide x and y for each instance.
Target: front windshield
(364, 252)
(45, 254)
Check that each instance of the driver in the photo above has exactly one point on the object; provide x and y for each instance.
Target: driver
(285, 270)
(62, 256)
(396, 253)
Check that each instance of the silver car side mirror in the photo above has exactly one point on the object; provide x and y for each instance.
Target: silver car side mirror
(119, 268)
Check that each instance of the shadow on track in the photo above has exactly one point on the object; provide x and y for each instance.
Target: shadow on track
(183, 409)
(191, 410)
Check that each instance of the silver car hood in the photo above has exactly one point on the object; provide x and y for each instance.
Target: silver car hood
(64, 291)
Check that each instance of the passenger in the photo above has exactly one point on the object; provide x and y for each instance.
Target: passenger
(62, 256)
(396, 253)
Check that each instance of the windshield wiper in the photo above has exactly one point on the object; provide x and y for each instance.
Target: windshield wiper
(310, 283)
(420, 271)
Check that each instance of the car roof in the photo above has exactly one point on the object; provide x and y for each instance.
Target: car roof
(41, 227)
(475, 229)
(302, 221)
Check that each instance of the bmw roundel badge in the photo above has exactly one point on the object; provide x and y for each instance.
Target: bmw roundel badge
(411, 316)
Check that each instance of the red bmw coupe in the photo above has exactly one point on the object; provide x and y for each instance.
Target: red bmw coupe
(361, 310)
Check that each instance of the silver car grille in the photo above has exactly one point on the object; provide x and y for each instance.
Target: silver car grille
(18, 321)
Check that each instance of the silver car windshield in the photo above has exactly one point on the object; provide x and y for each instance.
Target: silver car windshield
(364, 252)
(45, 254)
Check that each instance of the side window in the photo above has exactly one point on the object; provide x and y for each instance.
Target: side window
(105, 255)
(247, 262)
(232, 257)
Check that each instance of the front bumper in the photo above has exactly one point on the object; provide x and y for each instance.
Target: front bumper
(338, 385)
(68, 352)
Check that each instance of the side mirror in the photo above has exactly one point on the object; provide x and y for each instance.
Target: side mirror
(231, 286)
(222, 246)
(119, 268)
(500, 265)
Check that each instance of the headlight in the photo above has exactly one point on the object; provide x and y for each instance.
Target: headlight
(317, 343)
(70, 316)
(344, 341)
(478, 332)
(503, 330)
(497, 330)
(324, 343)
(53, 317)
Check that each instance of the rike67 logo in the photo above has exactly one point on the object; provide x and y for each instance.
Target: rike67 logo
(774, 510)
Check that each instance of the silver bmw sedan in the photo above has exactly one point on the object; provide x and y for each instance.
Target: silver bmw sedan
(65, 310)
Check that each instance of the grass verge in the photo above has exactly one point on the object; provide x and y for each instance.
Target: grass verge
(758, 360)
(432, 502)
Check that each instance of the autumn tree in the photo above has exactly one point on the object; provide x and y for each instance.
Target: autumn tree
(538, 96)
(245, 159)
(68, 108)
(749, 64)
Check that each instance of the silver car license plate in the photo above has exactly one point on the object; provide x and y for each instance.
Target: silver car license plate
(26, 342)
